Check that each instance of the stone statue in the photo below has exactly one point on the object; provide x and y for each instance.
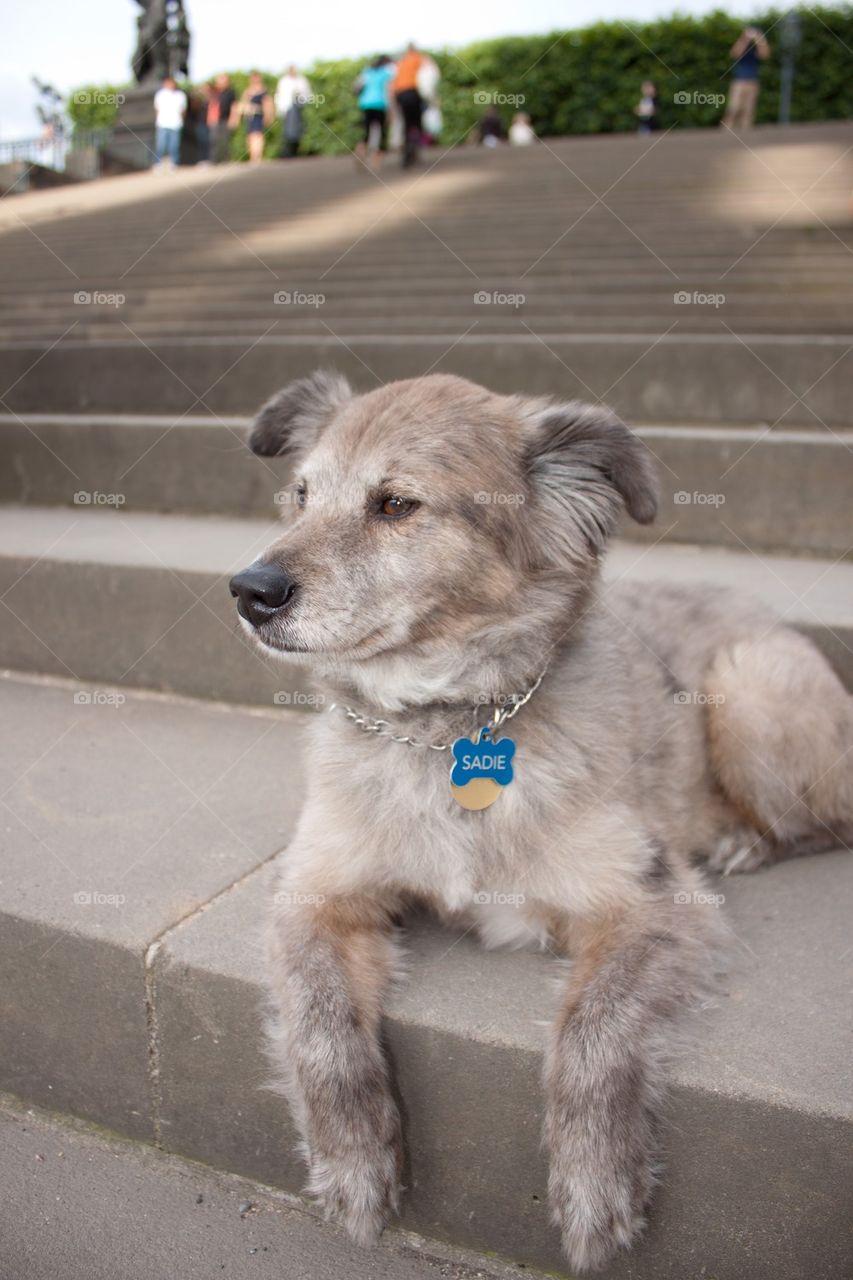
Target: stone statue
(163, 43)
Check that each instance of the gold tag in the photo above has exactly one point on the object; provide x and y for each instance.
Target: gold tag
(478, 794)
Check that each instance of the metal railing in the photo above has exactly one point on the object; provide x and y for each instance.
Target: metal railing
(53, 150)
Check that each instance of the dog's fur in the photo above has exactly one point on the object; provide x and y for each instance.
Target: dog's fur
(672, 724)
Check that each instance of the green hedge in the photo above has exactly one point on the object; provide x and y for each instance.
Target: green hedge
(588, 81)
(94, 106)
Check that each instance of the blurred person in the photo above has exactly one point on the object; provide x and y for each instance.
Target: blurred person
(521, 132)
(409, 101)
(256, 107)
(170, 108)
(199, 105)
(491, 127)
(373, 85)
(748, 51)
(429, 76)
(646, 109)
(220, 105)
(292, 93)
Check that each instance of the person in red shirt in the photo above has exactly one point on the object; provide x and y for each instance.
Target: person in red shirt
(409, 101)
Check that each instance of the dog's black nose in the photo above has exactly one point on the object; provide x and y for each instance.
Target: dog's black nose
(260, 591)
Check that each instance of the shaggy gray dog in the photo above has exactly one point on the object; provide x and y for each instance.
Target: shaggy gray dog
(443, 563)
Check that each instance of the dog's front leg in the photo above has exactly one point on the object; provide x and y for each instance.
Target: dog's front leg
(632, 975)
(331, 962)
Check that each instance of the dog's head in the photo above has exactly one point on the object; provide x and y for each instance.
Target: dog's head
(432, 515)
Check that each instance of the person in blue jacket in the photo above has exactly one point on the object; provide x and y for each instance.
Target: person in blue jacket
(373, 85)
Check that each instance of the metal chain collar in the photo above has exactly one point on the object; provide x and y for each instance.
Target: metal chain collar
(383, 727)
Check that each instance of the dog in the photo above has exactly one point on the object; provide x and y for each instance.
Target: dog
(441, 577)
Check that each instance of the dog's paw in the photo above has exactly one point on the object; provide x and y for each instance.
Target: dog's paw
(360, 1191)
(597, 1216)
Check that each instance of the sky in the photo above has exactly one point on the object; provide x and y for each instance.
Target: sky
(69, 44)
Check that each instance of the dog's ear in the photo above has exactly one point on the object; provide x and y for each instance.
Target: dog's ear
(294, 418)
(584, 466)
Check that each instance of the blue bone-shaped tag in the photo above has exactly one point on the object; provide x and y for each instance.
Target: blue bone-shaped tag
(482, 759)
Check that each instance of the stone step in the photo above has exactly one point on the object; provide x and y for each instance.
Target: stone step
(586, 279)
(617, 264)
(519, 299)
(68, 1178)
(753, 488)
(723, 378)
(696, 211)
(307, 315)
(141, 599)
(564, 282)
(122, 815)
(529, 185)
(671, 174)
(621, 270)
(605, 234)
(506, 326)
(139, 880)
(777, 490)
(667, 221)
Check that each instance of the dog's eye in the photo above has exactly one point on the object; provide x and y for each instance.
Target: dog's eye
(393, 507)
(301, 494)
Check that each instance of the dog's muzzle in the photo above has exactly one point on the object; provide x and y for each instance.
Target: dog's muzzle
(261, 591)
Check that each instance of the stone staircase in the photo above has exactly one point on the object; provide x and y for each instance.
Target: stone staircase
(135, 871)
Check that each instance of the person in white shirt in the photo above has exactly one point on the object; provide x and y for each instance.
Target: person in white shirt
(290, 97)
(170, 107)
(521, 131)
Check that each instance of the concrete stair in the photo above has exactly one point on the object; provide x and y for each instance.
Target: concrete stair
(719, 485)
(74, 1179)
(582, 291)
(135, 889)
(623, 222)
(661, 377)
(159, 585)
(135, 877)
